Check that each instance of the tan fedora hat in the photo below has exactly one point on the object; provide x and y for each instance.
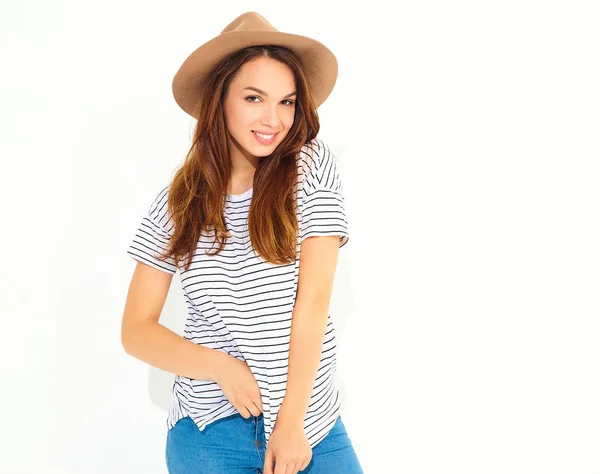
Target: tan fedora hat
(251, 29)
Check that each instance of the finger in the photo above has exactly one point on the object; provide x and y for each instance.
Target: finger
(252, 409)
(258, 401)
(280, 468)
(268, 462)
(286, 468)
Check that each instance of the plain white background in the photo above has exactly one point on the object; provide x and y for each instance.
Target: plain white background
(467, 299)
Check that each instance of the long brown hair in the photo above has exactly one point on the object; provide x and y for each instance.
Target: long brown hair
(198, 190)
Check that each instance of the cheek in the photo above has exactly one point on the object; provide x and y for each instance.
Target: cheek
(238, 117)
(288, 120)
(246, 118)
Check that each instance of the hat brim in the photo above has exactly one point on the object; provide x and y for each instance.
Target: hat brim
(320, 64)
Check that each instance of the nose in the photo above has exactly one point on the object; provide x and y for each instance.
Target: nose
(270, 117)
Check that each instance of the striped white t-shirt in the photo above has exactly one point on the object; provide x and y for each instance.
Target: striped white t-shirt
(242, 305)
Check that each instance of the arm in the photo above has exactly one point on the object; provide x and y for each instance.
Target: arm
(144, 338)
(318, 261)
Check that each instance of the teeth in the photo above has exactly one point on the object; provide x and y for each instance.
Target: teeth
(266, 137)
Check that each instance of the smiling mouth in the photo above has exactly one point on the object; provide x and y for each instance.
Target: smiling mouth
(265, 136)
(265, 139)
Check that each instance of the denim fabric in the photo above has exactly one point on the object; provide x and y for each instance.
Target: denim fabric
(236, 445)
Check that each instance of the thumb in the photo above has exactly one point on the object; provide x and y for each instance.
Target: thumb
(269, 461)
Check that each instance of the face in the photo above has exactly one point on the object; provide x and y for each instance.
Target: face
(259, 107)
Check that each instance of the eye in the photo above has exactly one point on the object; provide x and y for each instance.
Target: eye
(290, 102)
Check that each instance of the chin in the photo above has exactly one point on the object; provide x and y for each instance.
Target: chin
(264, 151)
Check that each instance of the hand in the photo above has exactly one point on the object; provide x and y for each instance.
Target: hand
(239, 386)
(289, 447)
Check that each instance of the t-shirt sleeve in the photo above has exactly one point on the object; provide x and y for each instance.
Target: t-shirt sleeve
(153, 235)
(323, 207)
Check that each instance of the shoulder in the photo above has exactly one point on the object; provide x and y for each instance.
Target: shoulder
(160, 197)
(321, 169)
(317, 153)
(159, 208)
(318, 163)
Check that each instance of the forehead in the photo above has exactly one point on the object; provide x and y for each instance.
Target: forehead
(264, 73)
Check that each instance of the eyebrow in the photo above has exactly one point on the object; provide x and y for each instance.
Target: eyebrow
(255, 89)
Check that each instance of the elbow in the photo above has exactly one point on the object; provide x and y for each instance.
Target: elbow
(127, 339)
(314, 308)
(318, 302)
(134, 333)
(125, 342)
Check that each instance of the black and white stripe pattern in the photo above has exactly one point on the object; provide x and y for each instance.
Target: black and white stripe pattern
(242, 305)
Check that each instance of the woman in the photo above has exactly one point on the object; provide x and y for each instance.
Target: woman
(255, 386)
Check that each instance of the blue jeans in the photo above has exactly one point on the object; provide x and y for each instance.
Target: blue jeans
(236, 445)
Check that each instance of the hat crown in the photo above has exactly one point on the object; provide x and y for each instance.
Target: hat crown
(249, 21)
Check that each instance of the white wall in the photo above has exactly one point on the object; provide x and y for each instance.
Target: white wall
(467, 300)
